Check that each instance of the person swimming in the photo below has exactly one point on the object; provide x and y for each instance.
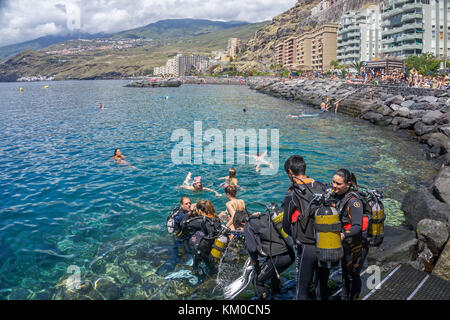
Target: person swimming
(230, 180)
(119, 158)
(259, 160)
(196, 185)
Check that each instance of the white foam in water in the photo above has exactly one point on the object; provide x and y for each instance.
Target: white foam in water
(183, 274)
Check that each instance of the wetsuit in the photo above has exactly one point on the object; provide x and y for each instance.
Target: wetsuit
(180, 239)
(201, 232)
(301, 227)
(263, 240)
(355, 243)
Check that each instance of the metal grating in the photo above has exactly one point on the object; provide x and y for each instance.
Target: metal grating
(407, 283)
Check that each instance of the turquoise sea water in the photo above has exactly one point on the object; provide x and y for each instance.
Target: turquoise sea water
(63, 203)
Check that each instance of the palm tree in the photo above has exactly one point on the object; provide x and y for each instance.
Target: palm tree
(358, 66)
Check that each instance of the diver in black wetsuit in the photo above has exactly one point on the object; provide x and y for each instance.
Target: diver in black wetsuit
(202, 228)
(300, 225)
(354, 232)
(179, 238)
(263, 239)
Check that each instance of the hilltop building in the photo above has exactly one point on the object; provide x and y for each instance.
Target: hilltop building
(181, 65)
(413, 27)
(359, 35)
(234, 47)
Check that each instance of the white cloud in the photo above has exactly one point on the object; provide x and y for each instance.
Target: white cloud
(22, 20)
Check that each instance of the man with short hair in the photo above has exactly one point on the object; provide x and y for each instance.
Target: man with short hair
(179, 239)
(300, 225)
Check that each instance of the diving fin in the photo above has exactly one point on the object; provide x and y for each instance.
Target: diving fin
(240, 284)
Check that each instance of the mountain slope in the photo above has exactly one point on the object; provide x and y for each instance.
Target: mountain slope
(260, 52)
(113, 64)
(42, 42)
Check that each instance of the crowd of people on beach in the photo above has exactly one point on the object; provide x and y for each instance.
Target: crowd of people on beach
(410, 78)
(275, 239)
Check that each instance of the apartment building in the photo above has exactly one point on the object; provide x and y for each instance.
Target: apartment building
(359, 35)
(412, 27)
(181, 64)
(286, 53)
(317, 48)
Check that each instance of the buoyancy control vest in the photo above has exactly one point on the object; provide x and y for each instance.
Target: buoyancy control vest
(202, 232)
(373, 215)
(174, 222)
(303, 217)
(271, 242)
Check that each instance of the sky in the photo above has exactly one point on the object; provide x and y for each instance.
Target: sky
(23, 20)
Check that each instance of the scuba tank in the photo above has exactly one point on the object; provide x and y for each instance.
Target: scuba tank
(376, 218)
(171, 220)
(219, 245)
(328, 235)
(277, 219)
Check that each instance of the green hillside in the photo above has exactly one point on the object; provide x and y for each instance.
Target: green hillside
(114, 63)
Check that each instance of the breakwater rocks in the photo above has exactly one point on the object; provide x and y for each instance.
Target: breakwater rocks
(425, 114)
(215, 80)
(154, 83)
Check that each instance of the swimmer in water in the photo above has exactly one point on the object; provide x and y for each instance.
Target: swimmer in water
(196, 185)
(230, 180)
(259, 159)
(102, 107)
(119, 158)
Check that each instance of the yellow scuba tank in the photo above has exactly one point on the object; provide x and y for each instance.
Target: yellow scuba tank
(328, 235)
(219, 246)
(277, 219)
(376, 228)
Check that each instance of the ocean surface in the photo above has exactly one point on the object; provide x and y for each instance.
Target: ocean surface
(65, 206)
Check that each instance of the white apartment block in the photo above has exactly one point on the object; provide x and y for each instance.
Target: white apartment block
(359, 35)
(180, 65)
(413, 27)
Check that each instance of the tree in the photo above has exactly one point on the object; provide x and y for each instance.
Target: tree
(424, 64)
(358, 66)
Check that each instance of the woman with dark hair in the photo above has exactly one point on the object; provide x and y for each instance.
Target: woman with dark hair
(202, 228)
(354, 239)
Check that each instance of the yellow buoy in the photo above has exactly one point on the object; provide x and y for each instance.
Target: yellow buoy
(46, 87)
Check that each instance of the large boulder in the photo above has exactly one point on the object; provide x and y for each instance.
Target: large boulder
(372, 116)
(408, 124)
(398, 99)
(420, 204)
(433, 233)
(398, 120)
(407, 103)
(431, 117)
(419, 106)
(397, 247)
(441, 185)
(416, 114)
(401, 112)
(437, 139)
(444, 119)
(421, 129)
(428, 99)
(442, 267)
(445, 129)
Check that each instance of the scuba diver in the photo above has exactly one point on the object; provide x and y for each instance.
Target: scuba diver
(174, 220)
(202, 228)
(263, 239)
(299, 223)
(354, 232)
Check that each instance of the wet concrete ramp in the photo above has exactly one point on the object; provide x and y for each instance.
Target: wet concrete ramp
(406, 283)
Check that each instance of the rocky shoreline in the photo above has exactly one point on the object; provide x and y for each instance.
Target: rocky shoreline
(425, 114)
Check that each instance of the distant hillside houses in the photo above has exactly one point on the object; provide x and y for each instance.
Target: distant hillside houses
(397, 28)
